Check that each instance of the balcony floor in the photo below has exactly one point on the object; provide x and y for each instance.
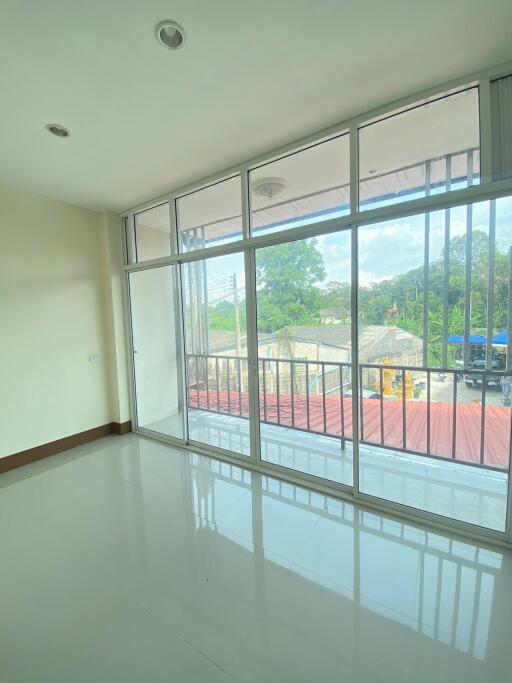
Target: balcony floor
(464, 492)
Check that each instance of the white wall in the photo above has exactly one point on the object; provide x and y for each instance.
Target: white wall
(53, 316)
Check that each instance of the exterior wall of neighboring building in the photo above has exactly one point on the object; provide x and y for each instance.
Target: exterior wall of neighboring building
(379, 345)
(303, 350)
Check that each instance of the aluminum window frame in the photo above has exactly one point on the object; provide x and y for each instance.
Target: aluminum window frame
(486, 190)
(176, 197)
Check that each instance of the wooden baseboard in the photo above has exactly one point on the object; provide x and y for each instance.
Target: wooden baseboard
(121, 427)
(11, 462)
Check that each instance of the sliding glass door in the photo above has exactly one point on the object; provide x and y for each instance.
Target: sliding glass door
(303, 295)
(157, 343)
(217, 373)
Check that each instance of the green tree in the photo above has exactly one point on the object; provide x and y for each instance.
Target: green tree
(290, 292)
(287, 277)
(337, 295)
(221, 316)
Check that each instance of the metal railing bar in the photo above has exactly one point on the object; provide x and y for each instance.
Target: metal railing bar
(323, 399)
(207, 367)
(307, 396)
(375, 366)
(205, 290)
(490, 284)
(361, 429)
(404, 412)
(198, 294)
(509, 313)
(217, 385)
(213, 355)
(412, 368)
(426, 266)
(454, 417)
(229, 384)
(278, 388)
(469, 266)
(446, 269)
(482, 421)
(342, 403)
(381, 401)
(240, 386)
(264, 391)
(428, 412)
(197, 380)
(292, 394)
(193, 344)
(295, 361)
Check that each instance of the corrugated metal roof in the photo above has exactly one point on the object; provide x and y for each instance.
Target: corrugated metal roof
(467, 449)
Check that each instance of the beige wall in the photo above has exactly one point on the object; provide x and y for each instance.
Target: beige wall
(56, 310)
(112, 253)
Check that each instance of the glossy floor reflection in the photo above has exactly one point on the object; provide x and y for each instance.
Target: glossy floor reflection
(127, 560)
(471, 494)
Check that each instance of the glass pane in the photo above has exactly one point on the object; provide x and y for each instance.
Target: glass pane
(153, 233)
(211, 216)
(434, 423)
(305, 187)
(304, 341)
(158, 382)
(216, 352)
(431, 148)
(501, 116)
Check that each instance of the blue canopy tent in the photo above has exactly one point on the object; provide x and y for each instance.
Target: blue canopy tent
(473, 339)
(500, 339)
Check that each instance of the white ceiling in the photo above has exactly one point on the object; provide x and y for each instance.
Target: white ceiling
(252, 76)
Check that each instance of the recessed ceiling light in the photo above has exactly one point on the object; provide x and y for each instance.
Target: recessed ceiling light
(270, 188)
(170, 35)
(58, 130)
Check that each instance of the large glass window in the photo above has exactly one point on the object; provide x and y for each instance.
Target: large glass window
(210, 216)
(303, 187)
(430, 148)
(152, 233)
(304, 355)
(434, 392)
(216, 352)
(427, 294)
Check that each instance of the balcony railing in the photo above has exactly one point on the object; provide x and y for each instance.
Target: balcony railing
(397, 410)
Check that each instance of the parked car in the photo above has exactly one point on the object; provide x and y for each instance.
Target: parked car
(366, 393)
(473, 380)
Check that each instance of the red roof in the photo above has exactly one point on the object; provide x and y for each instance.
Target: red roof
(468, 423)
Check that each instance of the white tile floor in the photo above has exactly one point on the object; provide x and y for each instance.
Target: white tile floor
(128, 561)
